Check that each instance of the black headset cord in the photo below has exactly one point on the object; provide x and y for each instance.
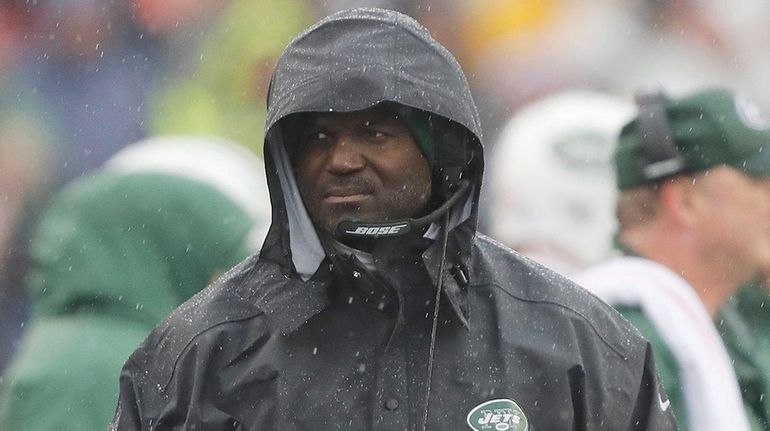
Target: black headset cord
(436, 309)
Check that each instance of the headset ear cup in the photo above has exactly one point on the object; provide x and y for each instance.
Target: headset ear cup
(660, 158)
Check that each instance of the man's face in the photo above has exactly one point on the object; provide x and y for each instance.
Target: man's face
(736, 219)
(362, 166)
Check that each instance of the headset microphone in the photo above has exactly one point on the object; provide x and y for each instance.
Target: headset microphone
(356, 229)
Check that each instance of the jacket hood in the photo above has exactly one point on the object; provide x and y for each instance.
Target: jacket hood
(148, 231)
(349, 61)
(357, 58)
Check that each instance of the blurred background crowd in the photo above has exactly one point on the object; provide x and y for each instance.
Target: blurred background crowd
(81, 80)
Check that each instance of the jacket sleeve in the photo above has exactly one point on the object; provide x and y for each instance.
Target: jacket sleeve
(653, 409)
(128, 411)
(164, 390)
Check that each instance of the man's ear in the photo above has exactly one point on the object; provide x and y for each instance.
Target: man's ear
(679, 199)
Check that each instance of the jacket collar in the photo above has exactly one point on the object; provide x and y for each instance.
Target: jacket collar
(293, 301)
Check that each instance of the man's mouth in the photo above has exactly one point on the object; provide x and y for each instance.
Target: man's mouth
(346, 195)
(347, 199)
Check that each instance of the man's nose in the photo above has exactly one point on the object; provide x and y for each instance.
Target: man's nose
(345, 155)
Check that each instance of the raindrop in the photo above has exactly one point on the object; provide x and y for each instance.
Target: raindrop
(315, 350)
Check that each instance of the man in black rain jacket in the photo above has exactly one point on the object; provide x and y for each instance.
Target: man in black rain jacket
(374, 162)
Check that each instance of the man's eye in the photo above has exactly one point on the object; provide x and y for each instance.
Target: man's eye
(374, 134)
(317, 136)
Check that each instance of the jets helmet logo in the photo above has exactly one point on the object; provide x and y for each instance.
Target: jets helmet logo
(498, 415)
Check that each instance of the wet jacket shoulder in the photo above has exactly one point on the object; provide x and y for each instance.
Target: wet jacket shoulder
(514, 275)
(608, 364)
(223, 323)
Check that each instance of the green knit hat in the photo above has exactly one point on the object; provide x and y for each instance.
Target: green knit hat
(417, 121)
(419, 124)
(709, 128)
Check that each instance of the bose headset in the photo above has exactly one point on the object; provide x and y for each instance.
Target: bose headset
(660, 158)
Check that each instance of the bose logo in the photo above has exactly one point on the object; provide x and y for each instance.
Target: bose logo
(384, 230)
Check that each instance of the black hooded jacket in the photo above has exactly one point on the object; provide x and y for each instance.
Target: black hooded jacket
(299, 338)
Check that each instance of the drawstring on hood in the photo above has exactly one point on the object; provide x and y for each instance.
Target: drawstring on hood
(434, 325)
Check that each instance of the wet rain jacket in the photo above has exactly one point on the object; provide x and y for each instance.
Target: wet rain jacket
(298, 338)
(113, 255)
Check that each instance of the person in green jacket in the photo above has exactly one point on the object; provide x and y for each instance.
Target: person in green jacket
(745, 320)
(113, 255)
(693, 208)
